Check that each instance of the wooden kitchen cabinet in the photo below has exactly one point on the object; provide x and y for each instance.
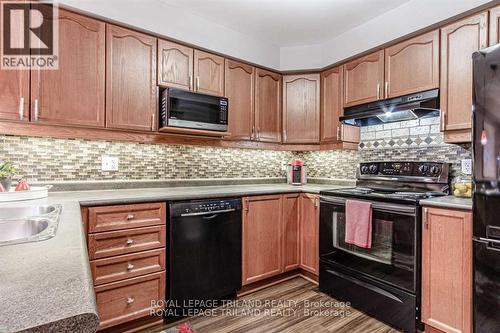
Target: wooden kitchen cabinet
(447, 270)
(291, 239)
(494, 25)
(14, 95)
(127, 251)
(175, 65)
(208, 73)
(412, 65)
(74, 94)
(309, 233)
(301, 108)
(239, 89)
(458, 41)
(363, 79)
(332, 130)
(262, 237)
(267, 106)
(131, 92)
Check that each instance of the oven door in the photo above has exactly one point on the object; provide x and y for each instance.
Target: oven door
(198, 111)
(393, 257)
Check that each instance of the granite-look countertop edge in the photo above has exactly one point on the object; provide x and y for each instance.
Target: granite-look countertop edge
(60, 296)
(448, 201)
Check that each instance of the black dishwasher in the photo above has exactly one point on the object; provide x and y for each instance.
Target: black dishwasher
(204, 252)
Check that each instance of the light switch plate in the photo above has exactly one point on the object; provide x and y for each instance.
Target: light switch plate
(109, 163)
(467, 166)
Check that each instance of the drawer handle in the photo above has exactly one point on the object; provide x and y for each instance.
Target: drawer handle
(130, 300)
(130, 241)
(130, 216)
(130, 267)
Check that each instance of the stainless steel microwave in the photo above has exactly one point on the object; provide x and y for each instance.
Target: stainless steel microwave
(181, 108)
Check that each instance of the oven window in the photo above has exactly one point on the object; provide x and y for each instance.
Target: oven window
(391, 257)
(193, 110)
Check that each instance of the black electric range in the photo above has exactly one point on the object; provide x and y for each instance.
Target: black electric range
(383, 280)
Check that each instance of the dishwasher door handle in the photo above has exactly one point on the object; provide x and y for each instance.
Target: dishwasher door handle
(214, 212)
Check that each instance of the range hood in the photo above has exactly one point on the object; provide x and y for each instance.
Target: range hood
(407, 107)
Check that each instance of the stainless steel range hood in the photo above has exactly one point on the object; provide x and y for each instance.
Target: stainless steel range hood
(407, 107)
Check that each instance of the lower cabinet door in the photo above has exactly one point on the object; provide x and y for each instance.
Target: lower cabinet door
(447, 270)
(309, 233)
(130, 299)
(262, 237)
(291, 238)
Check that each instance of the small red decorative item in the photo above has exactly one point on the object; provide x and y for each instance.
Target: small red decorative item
(22, 185)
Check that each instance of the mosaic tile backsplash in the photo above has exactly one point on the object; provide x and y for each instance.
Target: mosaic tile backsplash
(45, 159)
(413, 140)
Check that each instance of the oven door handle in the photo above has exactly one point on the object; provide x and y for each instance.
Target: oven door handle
(379, 206)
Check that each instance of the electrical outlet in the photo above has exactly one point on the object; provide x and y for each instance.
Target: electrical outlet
(467, 166)
(109, 163)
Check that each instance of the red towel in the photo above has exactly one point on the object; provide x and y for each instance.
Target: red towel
(358, 223)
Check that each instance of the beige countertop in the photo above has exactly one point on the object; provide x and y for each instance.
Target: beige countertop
(448, 201)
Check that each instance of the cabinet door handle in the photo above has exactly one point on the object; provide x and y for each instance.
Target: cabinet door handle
(190, 82)
(316, 202)
(284, 136)
(37, 111)
(386, 89)
(130, 216)
(130, 300)
(253, 132)
(338, 133)
(443, 120)
(130, 241)
(130, 267)
(424, 218)
(197, 83)
(258, 133)
(378, 90)
(153, 122)
(21, 108)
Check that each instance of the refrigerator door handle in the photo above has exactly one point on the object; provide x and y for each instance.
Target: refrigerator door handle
(491, 244)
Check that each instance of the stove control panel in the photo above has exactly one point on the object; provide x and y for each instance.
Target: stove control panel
(409, 169)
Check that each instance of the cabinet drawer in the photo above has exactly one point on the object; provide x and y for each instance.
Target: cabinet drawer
(127, 266)
(123, 301)
(112, 243)
(107, 218)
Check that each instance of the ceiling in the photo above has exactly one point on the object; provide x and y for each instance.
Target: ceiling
(288, 22)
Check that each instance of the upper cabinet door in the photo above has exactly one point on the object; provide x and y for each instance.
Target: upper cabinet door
(14, 94)
(495, 25)
(75, 93)
(458, 41)
(412, 66)
(267, 106)
(131, 92)
(363, 78)
(175, 65)
(239, 90)
(301, 100)
(331, 104)
(209, 73)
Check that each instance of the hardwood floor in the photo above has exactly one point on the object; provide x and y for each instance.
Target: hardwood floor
(295, 305)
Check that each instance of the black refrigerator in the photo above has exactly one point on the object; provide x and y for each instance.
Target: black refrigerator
(486, 199)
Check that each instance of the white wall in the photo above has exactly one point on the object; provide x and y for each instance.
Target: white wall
(400, 21)
(176, 23)
(173, 22)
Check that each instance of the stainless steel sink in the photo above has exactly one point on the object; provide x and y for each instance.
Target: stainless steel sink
(22, 224)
